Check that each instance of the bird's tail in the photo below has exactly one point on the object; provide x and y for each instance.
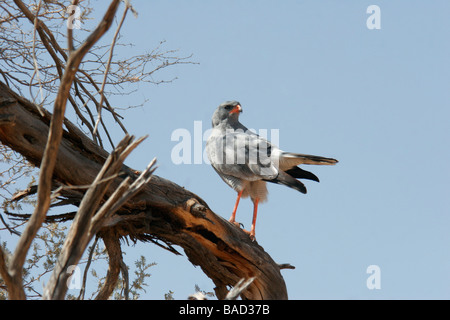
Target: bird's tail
(293, 159)
(289, 172)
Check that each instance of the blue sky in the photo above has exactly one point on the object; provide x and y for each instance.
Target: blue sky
(376, 100)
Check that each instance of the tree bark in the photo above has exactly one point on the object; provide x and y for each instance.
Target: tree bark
(161, 212)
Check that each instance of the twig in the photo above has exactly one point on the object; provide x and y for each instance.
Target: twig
(70, 32)
(88, 264)
(12, 231)
(105, 76)
(126, 279)
(36, 67)
(57, 192)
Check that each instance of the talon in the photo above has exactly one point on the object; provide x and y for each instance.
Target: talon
(251, 234)
(236, 224)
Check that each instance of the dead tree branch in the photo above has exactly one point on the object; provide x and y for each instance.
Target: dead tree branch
(112, 245)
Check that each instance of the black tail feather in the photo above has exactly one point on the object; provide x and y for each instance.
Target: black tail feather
(299, 173)
(287, 180)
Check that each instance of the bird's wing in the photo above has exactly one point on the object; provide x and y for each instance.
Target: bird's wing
(234, 182)
(242, 155)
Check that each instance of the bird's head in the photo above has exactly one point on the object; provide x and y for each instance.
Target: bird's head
(228, 111)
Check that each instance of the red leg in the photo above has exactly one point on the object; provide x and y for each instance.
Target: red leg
(255, 213)
(233, 215)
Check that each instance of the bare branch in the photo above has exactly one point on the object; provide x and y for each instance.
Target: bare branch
(286, 266)
(11, 230)
(36, 67)
(38, 52)
(88, 264)
(112, 245)
(108, 65)
(70, 32)
(49, 157)
(126, 279)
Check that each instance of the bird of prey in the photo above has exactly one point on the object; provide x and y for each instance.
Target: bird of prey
(246, 161)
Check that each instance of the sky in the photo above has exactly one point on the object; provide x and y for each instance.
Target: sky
(375, 99)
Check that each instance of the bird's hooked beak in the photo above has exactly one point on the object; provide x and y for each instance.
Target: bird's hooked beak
(236, 109)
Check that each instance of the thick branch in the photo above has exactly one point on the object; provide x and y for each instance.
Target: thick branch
(162, 211)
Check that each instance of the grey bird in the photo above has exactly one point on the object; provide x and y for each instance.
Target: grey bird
(246, 161)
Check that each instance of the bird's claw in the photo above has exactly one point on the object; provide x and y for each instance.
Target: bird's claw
(237, 224)
(251, 234)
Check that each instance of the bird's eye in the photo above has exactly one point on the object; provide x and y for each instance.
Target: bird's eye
(228, 107)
